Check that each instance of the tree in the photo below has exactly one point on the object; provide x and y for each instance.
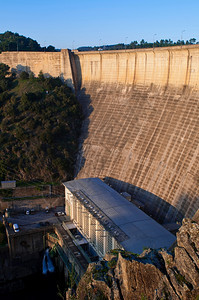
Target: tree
(41, 76)
(192, 41)
(4, 80)
(133, 45)
(50, 48)
(40, 121)
(142, 43)
(24, 75)
(14, 42)
(4, 71)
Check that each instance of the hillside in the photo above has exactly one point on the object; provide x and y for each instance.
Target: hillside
(10, 41)
(40, 120)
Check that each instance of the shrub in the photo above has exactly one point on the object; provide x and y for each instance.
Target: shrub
(24, 75)
(38, 126)
(112, 263)
(41, 76)
(2, 238)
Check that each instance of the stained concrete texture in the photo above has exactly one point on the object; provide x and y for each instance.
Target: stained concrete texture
(141, 127)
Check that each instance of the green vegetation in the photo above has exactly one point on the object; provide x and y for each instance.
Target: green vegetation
(38, 184)
(112, 263)
(100, 272)
(40, 121)
(143, 297)
(181, 280)
(6, 192)
(124, 253)
(10, 41)
(141, 44)
(22, 198)
(3, 239)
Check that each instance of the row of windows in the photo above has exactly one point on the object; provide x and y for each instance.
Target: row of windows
(91, 227)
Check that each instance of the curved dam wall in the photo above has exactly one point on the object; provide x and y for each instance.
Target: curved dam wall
(141, 127)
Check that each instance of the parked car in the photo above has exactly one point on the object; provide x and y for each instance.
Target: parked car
(78, 237)
(15, 227)
(59, 213)
(44, 223)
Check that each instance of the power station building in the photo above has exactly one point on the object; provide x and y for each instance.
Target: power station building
(108, 221)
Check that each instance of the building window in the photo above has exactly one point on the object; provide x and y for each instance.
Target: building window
(100, 239)
(93, 230)
(109, 242)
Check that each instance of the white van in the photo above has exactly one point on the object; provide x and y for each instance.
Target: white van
(15, 227)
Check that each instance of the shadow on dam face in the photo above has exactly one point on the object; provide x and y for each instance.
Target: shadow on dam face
(160, 210)
(21, 68)
(87, 109)
(145, 139)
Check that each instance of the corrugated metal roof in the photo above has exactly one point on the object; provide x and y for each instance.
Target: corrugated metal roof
(142, 231)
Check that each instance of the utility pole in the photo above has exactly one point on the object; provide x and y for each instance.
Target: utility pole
(154, 40)
(182, 36)
(125, 41)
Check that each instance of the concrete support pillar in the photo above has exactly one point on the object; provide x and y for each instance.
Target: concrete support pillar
(66, 69)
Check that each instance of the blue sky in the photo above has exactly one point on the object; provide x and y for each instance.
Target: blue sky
(70, 24)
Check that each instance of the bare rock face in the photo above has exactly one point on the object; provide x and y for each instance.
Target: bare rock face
(152, 275)
(188, 238)
(182, 269)
(136, 279)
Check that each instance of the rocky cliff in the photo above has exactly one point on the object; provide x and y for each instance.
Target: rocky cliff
(151, 275)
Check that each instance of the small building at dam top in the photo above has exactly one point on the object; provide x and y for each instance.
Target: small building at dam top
(109, 221)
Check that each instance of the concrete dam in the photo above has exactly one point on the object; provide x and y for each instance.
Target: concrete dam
(141, 127)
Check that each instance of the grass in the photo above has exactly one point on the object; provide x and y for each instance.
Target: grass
(21, 183)
(23, 198)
